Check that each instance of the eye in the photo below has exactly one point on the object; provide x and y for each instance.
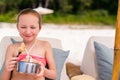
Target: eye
(32, 27)
(23, 27)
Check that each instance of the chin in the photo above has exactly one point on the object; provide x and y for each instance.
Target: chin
(28, 40)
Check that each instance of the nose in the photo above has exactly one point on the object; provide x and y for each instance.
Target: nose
(28, 31)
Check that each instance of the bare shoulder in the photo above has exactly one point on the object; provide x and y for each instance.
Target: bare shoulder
(13, 45)
(44, 43)
(12, 48)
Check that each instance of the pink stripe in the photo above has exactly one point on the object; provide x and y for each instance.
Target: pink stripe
(22, 56)
(43, 60)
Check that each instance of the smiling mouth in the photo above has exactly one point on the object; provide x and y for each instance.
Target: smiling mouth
(27, 36)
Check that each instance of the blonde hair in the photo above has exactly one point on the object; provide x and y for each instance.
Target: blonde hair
(30, 11)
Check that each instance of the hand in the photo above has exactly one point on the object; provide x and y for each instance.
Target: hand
(41, 70)
(10, 64)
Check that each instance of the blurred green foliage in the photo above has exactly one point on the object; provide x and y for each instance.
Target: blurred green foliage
(90, 17)
(65, 11)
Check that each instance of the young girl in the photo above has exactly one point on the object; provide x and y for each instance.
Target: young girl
(29, 25)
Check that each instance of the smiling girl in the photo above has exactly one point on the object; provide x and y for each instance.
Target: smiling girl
(40, 52)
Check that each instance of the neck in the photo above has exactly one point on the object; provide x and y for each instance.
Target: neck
(29, 44)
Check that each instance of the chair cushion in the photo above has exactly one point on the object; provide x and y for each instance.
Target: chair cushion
(60, 57)
(104, 60)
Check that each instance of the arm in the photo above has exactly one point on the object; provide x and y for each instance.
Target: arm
(10, 62)
(51, 72)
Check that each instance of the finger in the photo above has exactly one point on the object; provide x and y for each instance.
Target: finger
(10, 67)
(12, 62)
(41, 64)
(14, 59)
(41, 73)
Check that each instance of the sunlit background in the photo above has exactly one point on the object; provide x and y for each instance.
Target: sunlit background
(72, 21)
(95, 12)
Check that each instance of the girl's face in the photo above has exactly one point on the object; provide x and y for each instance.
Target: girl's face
(28, 27)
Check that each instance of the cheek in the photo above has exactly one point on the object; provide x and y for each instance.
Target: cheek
(21, 31)
(36, 32)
